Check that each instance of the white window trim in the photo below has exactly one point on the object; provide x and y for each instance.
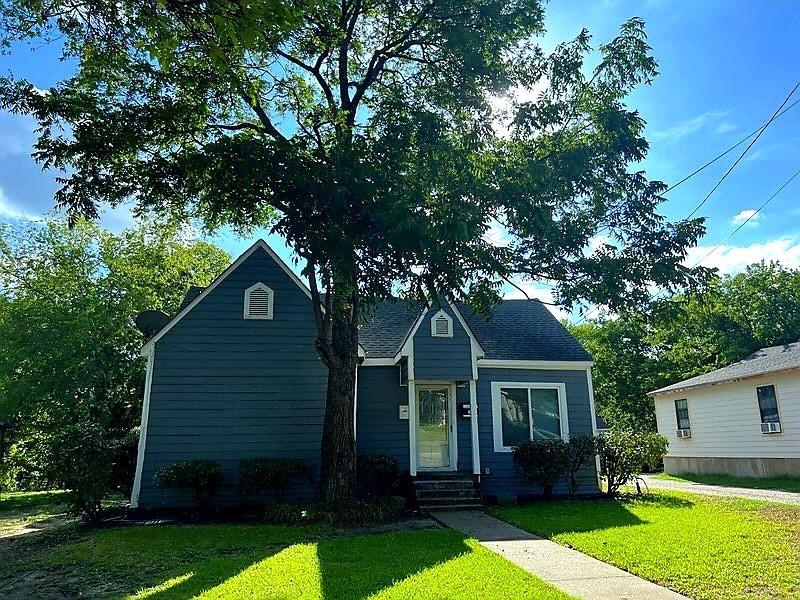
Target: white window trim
(271, 295)
(497, 417)
(438, 316)
(777, 404)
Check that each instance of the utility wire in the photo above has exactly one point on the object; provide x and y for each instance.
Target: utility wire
(748, 219)
(742, 155)
(729, 150)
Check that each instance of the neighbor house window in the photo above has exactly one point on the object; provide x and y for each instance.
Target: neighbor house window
(258, 301)
(441, 325)
(768, 404)
(528, 411)
(682, 414)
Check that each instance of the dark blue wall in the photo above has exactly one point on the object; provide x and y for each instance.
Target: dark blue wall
(442, 358)
(379, 429)
(503, 480)
(226, 388)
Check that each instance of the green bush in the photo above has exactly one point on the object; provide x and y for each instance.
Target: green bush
(542, 462)
(378, 475)
(360, 512)
(259, 475)
(581, 451)
(623, 455)
(203, 477)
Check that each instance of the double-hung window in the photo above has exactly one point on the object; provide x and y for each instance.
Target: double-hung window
(768, 407)
(528, 411)
(682, 414)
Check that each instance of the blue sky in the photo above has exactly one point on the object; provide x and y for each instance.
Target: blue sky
(725, 67)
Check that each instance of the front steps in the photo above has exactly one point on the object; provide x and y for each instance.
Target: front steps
(446, 491)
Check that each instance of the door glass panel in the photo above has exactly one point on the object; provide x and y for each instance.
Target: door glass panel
(433, 435)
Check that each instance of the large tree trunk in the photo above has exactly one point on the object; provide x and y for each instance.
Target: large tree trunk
(338, 460)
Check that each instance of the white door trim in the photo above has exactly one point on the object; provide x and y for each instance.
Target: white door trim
(450, 386)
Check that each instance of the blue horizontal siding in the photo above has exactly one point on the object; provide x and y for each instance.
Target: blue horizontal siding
(226, 388)
(379, 429)
(442, 358)
(503, 479)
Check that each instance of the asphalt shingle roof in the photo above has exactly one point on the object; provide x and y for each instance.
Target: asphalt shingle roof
(516, 330)
(766, 360)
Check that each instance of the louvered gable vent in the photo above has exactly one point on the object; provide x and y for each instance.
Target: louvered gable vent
(258, 300)
(441, 325)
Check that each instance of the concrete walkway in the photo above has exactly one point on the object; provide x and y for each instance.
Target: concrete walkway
(571, 571)
(722, 490)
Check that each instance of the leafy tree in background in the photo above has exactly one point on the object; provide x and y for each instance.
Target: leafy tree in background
(689, 334)
(365, 133)
(71, 378)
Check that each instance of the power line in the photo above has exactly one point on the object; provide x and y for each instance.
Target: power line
(726, 152)
(742, 155)
(748, 219)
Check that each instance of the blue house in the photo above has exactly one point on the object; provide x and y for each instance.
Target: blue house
(235, 374)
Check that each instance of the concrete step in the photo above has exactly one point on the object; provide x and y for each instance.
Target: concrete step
(444, 507)
(448, 484)
(441, 492)
(447, 500)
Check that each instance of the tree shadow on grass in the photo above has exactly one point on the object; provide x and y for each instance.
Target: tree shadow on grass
(357, 568)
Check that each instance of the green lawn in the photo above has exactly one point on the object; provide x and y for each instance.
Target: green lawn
(786, 484)
(701, 546)
(24, 509)
(258, 561)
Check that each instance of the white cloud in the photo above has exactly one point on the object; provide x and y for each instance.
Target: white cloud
(689, 126)
(733, 259)
(503, 106)
(725, 127)
(750, 216)
(9, 211)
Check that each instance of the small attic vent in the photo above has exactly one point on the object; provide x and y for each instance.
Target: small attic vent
(258, 302)
(441, 325)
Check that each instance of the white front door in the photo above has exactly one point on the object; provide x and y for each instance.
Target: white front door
(435, 428)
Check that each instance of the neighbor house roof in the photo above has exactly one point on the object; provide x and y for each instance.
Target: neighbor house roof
(761, 362)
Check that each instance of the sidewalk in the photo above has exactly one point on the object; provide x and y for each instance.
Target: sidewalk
(571, 571)
(722, 490)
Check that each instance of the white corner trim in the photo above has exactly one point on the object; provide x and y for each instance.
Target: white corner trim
(270, 301)
(575, 365)
(412, 428)
(473, 424)
(497, 420)
(439, 315)
(591, 400)
(148, 383)
(234, 265)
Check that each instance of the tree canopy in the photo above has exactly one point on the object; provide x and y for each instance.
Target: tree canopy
(688, 335)
(370, 135)
(71, 377)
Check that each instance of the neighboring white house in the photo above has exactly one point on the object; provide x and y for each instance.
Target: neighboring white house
(743, 419)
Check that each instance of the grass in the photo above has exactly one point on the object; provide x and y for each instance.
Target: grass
(702, 546)
(19, 510)
(786, 484)
(258, 561)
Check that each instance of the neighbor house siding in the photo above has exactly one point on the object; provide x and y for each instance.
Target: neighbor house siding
(725, 421)
(379, 428)
(442, 358)
(502, 481)
(225, 388)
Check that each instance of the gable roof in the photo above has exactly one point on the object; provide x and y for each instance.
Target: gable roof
(516, 330)
(761, 362)
(196, 294)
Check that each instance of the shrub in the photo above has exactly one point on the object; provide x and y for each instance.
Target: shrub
(360, 512)
(378, 475)
(580, 452)
(542, 462)
(203, 477)
(258, 475)
(623, 455)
